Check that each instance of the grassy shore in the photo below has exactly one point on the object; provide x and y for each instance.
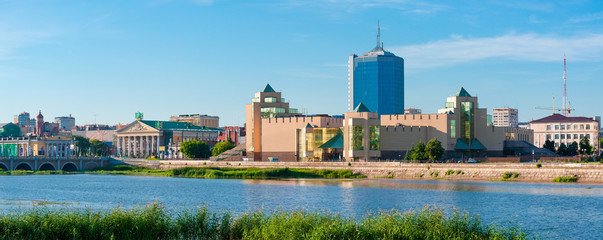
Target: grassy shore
(154, 222)
(209, 172)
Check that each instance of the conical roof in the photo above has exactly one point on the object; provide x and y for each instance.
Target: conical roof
(268, 88)
(361, 108)
(462, 93)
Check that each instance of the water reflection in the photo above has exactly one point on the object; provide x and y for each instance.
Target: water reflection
(456, 186)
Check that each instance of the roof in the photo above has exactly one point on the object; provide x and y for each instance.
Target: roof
(361, 108)
(462, 93)
(268, 88)
(308, 125)
(475, 145)
(335, 142)
(557, 118)
(169, 125)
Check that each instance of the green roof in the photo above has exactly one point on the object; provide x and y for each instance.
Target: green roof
(169, 125)
(475, 145)
(268, 88)
(335, 142)
(361, 108)
(462, 93)
(308, 125)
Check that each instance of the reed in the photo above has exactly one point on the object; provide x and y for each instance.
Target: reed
(155, 222)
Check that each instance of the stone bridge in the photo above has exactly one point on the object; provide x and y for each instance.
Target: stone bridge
(41, 164)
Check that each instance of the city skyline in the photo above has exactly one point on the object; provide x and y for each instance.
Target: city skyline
(102, 62)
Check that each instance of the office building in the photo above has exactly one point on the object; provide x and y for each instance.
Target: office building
(65, 123)
(505, 117)
(376, 79)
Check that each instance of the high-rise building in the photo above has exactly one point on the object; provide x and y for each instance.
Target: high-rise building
(22, 119)
(505, 117)
(377, 80)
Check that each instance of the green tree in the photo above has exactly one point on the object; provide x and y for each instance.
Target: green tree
(195, 149)
(550, 145)
(11, 130)
(82, 144)
(434, 149)
(408, 154)
(222, 147)
(585, 147)
(562, 150)
(99, 148)
(572, 149)
(418, 152)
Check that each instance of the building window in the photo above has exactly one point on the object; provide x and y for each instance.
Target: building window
(374, 137)
(562, 136)
(568, 127)
(562, 127)
(556, 136)
(588, 136)
(270, 99)
(452, 128)
(581, 136)
(581, 126)
(548, 127)
(467, 120)
(556, 127)
(357, 138)
(587, 126)
(576, 127)
(575, 136)
(548, 137)
(569, 136)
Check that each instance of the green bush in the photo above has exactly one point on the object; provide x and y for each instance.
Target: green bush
(538, 165)
(565, 179)
(458, 172)
(449, 172)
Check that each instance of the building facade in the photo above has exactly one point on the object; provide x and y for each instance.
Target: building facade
(505, 117)
(412, 111)
(144, 138)
(55, 146)
(377, 80)
(562, 129)
(65, 123)
(200, 120)
(234, 133)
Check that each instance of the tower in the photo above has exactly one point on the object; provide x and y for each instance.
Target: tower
(376, 78)
(40, 124)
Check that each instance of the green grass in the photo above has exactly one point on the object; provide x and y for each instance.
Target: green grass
(565, 179)
(154, 222)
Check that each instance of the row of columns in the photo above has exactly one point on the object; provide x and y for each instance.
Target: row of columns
(138, 145)
(51, 150)
(58, 150)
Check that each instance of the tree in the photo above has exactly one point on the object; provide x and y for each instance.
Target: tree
(222, 147)
(562, 150)
(418, 152)
(11, 130)
(82, 144)
(550, 145)
(585, 147)
(195, 149)
(407, 155)
(99, 148)
(572, 149)
(434, 149)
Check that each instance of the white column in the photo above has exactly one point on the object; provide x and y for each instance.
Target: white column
(147, 145)
(153, 150)
(140, 145)
(157, 142)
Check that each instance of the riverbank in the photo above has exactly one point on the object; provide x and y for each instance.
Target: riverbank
(591, 173)
(154, 222)
(209, 172)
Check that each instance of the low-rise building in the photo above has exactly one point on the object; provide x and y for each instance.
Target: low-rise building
(234, 133)
(200, 120)
(412, 111)
(562, 129)
(65, 123)
(54, 146)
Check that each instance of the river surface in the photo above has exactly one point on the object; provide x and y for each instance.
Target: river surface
(569, 211)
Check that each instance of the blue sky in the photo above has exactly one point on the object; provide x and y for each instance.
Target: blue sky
(105, 60)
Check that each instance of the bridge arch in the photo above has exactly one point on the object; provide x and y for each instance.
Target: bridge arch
(47, 167)
(90, 165)
(24, 166)
(3, 167)
(69, 166)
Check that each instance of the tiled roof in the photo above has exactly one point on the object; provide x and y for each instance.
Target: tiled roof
(557, 118)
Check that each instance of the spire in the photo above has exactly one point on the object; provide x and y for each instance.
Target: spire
(268, 88)
(378, 35)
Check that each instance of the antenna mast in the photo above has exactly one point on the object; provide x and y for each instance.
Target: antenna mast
(378, 34)
(565, 107)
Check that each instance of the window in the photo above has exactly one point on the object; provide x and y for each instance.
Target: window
(374, 137)
(576, 127)
(568, 127)
(357, 137)
(556, 136)
(581, 126)
(548, 127)
(449, 105)
(270, 99)
(575, 136)
(587, 126)
(581, 136)
(452, 128)
(588, 136)
(548, 137)
(562, 127)
(562, 136)
(569, 136)
(556, 127)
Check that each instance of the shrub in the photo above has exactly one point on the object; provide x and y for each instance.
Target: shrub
(458, 172)
(538, 165)
(565, 179)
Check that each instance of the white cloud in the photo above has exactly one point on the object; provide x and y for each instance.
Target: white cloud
(525, 47)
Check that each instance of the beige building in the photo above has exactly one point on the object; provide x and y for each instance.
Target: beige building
(562, 129)
(505, 117)
(412, 111)
(198, 120)
(54, 146)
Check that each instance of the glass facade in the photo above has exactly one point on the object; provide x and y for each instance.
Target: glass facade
(374, 138)
(378, 82)
(357, 138)
(467, 120)
(452, 128)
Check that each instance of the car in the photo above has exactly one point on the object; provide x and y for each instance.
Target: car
(471, 160)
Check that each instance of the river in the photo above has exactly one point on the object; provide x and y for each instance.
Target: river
(571, 211)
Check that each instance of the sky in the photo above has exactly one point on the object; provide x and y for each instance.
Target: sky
(102, 61)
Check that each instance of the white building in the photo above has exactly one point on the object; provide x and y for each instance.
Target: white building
(65, 123)
(505, 117)
(562, 129)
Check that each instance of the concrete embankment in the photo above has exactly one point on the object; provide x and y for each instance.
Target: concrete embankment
(521, 172)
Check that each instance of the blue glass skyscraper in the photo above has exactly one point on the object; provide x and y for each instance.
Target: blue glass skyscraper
(377, 79)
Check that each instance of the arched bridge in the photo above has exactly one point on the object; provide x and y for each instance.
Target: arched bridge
(41, 164)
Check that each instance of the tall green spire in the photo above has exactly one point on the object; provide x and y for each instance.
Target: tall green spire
(268, 88)
(361, 108)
